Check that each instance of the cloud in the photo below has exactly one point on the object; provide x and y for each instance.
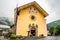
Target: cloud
(52, 7)
(55, 10)
(7, 8)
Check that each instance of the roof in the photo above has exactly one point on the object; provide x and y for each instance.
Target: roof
(35, 4)
(4, 26)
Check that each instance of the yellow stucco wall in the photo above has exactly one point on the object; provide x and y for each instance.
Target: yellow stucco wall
(24, 19)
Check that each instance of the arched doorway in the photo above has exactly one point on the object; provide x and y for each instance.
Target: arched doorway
(33, 30)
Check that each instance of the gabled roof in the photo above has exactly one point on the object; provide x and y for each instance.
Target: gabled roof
(35, 4)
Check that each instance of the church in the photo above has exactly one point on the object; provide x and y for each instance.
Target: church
(30, 21)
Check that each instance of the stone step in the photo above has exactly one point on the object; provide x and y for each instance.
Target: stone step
(32, 38)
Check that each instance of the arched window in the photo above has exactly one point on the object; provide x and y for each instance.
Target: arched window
(36, 25)
(32, 10)
(29, 25)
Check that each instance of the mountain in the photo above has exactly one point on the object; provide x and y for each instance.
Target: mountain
(53, 24)
(6, 21)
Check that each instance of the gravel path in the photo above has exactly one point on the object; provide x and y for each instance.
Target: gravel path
(31, 38)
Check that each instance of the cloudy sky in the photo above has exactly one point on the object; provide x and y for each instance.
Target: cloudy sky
(52, 7)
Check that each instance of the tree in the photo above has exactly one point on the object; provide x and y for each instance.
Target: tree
(55, 30)
(51, 30)
(58, 29)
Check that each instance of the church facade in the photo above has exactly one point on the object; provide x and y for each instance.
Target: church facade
(31, 20)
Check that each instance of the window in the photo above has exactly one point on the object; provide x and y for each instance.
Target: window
(32, 17)
(29, 25)
(32, 10)
(36, 25)
(35, 11)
